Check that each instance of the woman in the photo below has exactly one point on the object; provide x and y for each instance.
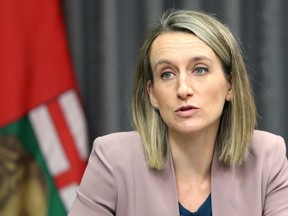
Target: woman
(195, 150)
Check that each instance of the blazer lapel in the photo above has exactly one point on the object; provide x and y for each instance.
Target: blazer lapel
(222, 188)
(174, 207)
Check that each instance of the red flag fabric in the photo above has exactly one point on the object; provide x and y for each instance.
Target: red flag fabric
(34, 58)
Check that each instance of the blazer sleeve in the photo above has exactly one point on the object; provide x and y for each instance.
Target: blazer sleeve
(97, 192)
(276, 203)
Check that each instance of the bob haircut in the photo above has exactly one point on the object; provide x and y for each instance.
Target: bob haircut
(238, 119)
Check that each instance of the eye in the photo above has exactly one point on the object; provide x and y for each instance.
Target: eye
(167, 75)
(200, 70)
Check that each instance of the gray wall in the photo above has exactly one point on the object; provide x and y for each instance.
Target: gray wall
(104, 36)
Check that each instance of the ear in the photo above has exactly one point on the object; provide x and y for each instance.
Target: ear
(229, 93)
(150, 91)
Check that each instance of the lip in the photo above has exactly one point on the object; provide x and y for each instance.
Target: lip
(186, 111)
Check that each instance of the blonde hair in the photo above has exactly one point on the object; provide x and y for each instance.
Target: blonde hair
(238, 119)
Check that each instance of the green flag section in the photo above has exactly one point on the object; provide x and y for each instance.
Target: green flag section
(43, 134)
(27, 187)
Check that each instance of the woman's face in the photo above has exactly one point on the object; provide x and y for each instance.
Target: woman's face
(190, 87)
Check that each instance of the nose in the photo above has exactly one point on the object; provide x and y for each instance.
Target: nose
(184, 89)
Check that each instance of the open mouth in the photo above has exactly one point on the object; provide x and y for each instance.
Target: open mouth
(186, 111)
(185, 108)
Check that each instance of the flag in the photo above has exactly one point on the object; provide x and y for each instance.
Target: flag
(43, 134)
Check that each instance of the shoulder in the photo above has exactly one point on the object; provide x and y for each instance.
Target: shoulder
(120, 147)
(119, 140)
(265, 144)
(261, 180)
(124, 138)
(268, 154)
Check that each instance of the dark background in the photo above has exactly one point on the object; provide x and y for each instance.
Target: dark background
(104, 36)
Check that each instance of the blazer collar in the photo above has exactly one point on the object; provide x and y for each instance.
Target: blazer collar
(220, 182)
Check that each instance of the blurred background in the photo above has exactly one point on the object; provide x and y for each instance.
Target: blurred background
(66, 70)
(104, 36)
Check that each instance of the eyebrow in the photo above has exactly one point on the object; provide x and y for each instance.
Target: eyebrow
(163, 61)
(193, 59)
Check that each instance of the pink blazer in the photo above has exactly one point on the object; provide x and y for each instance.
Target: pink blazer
(118, 182)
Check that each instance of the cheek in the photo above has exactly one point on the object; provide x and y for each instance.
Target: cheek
(162, 100)
(162, 94)
(213, 97)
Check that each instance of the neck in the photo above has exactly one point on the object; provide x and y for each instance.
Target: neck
(192, 158)
(192, 155)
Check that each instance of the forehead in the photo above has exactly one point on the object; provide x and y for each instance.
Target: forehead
(179, 44)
